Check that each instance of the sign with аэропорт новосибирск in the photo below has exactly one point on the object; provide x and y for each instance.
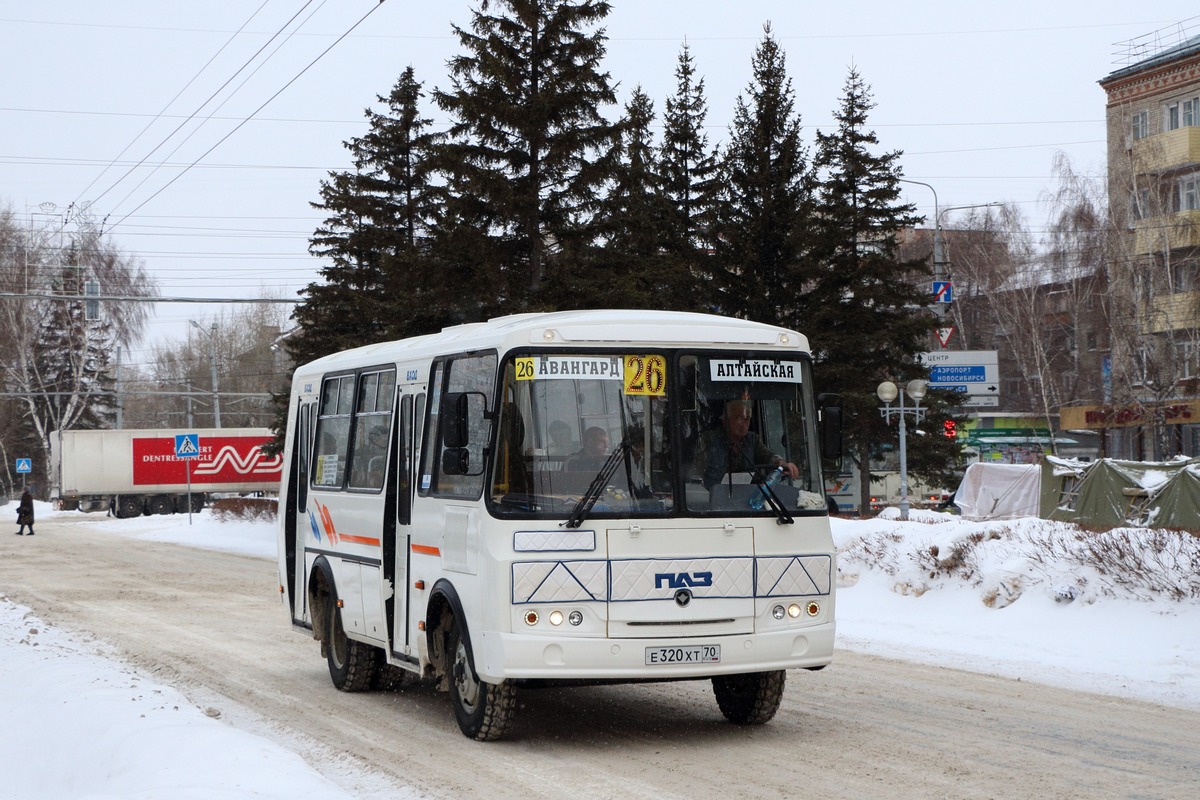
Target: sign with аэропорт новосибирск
(975, 373)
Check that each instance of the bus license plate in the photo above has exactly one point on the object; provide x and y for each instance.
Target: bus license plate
(692, 654)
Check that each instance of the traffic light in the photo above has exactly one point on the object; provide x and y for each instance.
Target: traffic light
(950, 428)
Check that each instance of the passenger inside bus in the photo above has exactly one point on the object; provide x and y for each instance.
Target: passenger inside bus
(562, 441)
(594, 453)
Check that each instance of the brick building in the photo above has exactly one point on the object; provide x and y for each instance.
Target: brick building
(1149, 409)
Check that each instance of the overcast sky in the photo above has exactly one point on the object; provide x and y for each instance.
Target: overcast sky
(979, 97)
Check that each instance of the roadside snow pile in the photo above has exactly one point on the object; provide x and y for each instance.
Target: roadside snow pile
(74, 724)
(1004, 560)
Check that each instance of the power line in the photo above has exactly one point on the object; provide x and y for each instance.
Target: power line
(238, 127)
(856, 34)
(143, 299)
(436, 123)
(160, 114)
(208, 100)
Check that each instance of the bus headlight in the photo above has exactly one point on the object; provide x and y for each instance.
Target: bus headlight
(531, 617)
(556, 617)
(794, 611)
(575, 618)
(777, 612)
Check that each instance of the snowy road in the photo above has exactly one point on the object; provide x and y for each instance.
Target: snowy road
(210, 623)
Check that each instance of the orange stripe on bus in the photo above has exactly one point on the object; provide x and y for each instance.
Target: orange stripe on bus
(426, 549)
(359, 539)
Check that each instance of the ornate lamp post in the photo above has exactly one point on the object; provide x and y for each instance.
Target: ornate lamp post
(888, 393)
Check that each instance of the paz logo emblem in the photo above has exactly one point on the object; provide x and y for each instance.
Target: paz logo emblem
(682, 598)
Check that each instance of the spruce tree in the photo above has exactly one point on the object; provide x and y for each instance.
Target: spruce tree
(627, 267)
(376, 235)
(524, 161)
(863, 307)
(766, 216)
(690, 186)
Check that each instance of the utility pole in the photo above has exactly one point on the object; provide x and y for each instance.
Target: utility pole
(117, 389)
(212, 362)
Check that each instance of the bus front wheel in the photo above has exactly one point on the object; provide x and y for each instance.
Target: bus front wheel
(483, 710)
(749, 699)
(352, 664)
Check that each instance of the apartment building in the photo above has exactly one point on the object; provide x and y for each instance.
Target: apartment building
(1150, 408)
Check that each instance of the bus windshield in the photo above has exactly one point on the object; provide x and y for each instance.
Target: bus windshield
(673, 433)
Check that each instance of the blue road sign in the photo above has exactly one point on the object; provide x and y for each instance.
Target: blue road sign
(187, 445)
(952, 373)
(24, 465)
(943, 292)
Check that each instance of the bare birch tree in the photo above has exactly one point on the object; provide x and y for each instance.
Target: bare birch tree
(176, 390)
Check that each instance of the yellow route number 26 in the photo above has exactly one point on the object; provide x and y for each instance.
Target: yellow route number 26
(646, 375)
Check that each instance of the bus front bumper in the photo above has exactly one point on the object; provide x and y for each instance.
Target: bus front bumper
(500, 656)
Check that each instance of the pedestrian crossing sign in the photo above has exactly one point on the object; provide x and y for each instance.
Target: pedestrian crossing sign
(187, 445)
(24, 466)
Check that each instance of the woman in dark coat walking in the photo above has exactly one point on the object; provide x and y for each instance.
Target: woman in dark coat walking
(25, 513)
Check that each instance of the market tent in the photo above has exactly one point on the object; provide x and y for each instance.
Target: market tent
(999, 491)
(1178, 504)
(1110, 492)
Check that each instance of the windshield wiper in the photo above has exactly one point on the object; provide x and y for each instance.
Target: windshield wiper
(597, 486)
(772, 499)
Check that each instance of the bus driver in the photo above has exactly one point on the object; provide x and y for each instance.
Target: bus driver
(735, 449)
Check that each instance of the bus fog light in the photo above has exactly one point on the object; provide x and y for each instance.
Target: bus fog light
(575, 618)
(793, 611)
(813, 609)
(556, 617)
(531, 618)
(777, 612)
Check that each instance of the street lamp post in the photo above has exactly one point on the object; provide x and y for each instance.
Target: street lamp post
(939, 248)
(212, 363)
(939, 256)
(888, 392)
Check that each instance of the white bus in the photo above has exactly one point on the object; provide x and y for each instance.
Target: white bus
(553, 498)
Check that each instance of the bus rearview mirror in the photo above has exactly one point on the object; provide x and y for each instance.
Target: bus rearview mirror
(456, 461)
(455, 414)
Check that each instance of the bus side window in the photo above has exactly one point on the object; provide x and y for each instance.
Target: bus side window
(372, 429)
(333, 432)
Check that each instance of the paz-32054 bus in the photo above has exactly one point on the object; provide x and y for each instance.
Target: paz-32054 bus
(589, 496)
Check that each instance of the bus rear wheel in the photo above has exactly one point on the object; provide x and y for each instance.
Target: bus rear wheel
(749, 699)
(352, 664)
(483, 710)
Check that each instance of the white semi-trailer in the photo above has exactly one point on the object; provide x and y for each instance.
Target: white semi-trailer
(135, 472)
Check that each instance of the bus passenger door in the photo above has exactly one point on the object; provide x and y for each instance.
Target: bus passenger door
(295, 509)
(396, 552)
